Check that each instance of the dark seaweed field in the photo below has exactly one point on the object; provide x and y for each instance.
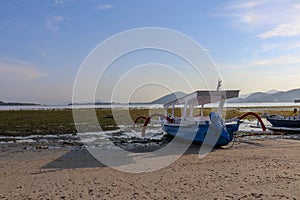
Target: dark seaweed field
(47, 122)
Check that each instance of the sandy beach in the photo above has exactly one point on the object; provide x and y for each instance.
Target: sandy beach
(112, 100)
(253, 169)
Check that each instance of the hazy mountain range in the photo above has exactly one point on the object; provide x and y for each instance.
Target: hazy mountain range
(257, 97)
(271, 96)
(168, 98)
(161, 100)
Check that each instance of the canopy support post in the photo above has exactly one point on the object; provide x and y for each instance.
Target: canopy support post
(173, 111)
(185, 109)
(221, 105)
(192, 111)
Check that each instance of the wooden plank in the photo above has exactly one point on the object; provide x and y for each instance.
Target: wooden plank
(204, 97)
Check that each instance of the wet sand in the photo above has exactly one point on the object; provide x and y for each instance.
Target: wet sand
(253, 169)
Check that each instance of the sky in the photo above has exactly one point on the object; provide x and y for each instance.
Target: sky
(255, 45)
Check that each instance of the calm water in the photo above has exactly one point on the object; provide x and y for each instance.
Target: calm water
(50, 107)
(141, 106)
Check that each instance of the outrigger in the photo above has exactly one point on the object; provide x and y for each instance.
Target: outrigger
(195, 128)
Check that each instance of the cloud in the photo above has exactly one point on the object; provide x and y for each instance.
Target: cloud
(52, 22)
(60, 2)
(272, 18)
(288, 30)
(283, 46)
(245, 12)
(105, 6)
(293, 45)
(268, 47)
(250, 18)
(286, 59)
(242, 4)
(279, 60)
(13, 70)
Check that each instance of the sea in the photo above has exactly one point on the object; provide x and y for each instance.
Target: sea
(148, 106)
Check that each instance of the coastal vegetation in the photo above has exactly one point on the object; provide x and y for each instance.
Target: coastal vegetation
(43, 122)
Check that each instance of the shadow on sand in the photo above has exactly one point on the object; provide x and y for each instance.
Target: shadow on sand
(82, 158)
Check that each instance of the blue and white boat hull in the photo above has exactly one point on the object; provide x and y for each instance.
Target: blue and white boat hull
(188, 133)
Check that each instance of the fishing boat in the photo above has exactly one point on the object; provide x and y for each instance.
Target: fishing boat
(201, 125)
(285, 122)
(195, 127)
(280, 121)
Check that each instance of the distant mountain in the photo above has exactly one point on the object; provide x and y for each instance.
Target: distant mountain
(272, 91)
(97, 102)
(168, 98)
(257, 97)
(17, 104)
(270, 96)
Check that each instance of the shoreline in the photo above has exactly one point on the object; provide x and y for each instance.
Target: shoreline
(154, 139)
(258, 169)
(284, 106)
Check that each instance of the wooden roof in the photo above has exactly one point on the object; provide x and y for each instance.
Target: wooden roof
(204, 97)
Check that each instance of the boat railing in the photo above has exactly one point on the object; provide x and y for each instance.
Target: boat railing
(292, 118)
(202, 118)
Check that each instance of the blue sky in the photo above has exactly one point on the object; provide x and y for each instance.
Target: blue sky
(255, 44)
